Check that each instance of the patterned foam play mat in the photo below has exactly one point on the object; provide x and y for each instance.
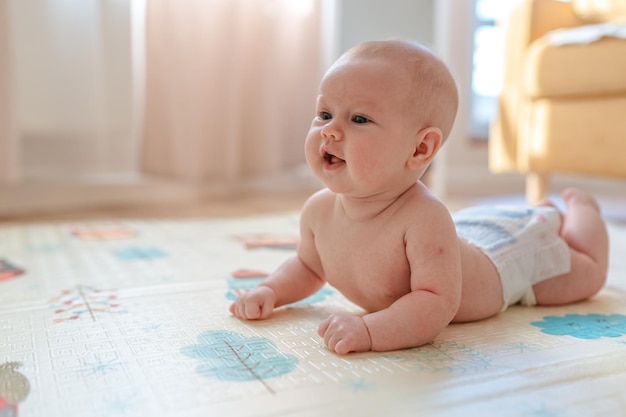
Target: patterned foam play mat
(131, 318)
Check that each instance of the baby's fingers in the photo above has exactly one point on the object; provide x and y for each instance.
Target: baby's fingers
(323, 327)
(246, 309)
(255, 309)
(255, 305)
(344, 333)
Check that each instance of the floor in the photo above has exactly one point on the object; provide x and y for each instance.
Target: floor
(231, 206)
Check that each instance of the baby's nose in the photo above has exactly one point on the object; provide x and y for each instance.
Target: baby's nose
(330, 133)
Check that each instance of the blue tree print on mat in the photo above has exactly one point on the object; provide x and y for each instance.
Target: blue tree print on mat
(232, 357)
(590, 326)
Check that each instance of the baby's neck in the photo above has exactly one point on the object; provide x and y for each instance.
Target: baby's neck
(370, 207)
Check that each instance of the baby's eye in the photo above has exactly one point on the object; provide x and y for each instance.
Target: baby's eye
(324, 115)
(360, 119)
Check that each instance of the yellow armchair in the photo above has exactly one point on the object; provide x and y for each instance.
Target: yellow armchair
(563, 104)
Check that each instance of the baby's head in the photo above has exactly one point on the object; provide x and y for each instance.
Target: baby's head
(431, 92)
(383, 111)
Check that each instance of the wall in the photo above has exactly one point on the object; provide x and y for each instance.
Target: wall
(364, 20)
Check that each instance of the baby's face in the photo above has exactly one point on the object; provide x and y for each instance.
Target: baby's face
(362, 135)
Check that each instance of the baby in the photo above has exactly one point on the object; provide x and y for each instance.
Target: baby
(379, 236)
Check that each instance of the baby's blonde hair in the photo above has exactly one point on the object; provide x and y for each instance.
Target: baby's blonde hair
(433, 95)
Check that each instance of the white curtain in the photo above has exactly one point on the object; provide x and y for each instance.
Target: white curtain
(9, 170)
(65, 82)
(230, 86)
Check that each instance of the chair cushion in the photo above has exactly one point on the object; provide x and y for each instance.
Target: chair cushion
(596, 68)
(600, 11)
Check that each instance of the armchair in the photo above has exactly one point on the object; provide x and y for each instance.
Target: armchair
(563, 104)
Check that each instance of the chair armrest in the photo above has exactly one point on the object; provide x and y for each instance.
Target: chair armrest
(528, 21)
(547, 15)
(531, 19)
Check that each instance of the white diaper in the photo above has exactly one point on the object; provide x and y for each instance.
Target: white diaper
(523, 244)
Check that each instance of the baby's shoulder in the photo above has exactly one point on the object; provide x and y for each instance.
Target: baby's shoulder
(422, 202)
(321, 199)
(425, 212)
(318, 204)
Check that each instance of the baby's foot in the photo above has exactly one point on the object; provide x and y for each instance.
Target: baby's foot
(576, 196)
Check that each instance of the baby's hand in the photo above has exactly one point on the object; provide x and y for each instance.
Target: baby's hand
(257, 304)
(345, 333)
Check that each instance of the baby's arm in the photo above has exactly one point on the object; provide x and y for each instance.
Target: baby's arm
(294, 280)
(291, 282)
(419, 316)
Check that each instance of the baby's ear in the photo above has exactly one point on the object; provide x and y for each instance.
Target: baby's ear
(427, 144)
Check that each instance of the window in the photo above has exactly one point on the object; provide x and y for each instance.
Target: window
(487, 63)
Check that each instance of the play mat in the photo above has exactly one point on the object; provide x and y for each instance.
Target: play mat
(130, 318)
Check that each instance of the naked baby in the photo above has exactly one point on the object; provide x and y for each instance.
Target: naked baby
(380, 237)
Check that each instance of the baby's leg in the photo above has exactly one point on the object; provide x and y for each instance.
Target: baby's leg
(585, 232)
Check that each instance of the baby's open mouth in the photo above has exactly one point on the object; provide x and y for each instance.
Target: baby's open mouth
(332, 159)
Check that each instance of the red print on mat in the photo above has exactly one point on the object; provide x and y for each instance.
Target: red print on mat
(103, 232)
(9, 271)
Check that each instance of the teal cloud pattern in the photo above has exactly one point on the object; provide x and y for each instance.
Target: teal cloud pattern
(589, 326)
(132, 253)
